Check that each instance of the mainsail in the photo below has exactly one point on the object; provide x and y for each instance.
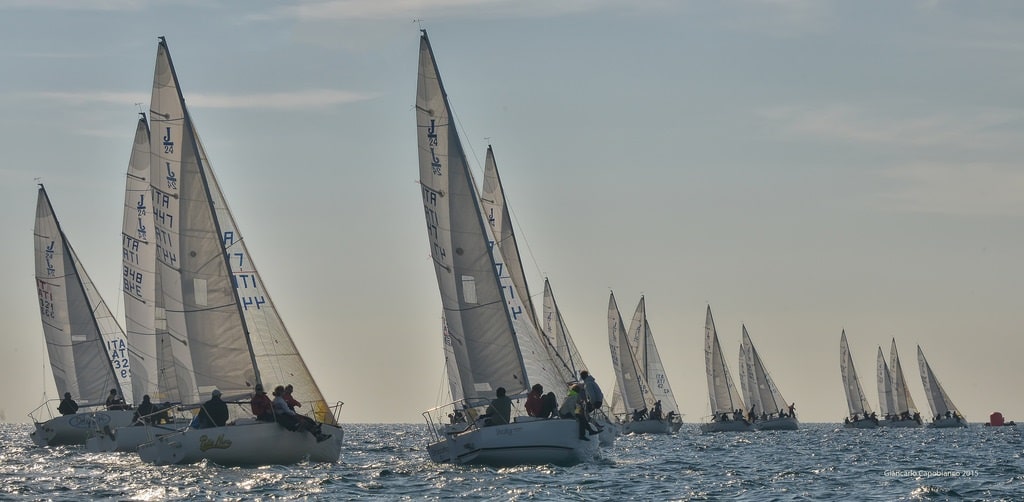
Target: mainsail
(558, 335)
(77, 324)
(758, 387)
(218, 308)
(632, 391)
(886, 399)
(641, 341)
(721, 390)
(501, 345)
(855, 399)
(904, 403)
(938, 400)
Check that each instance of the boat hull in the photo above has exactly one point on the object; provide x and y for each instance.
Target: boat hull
(75, 429)
(946, 423)
(536, 442)
(730, 426)
(128, 438)
(648, 427)
(778, 424)
(244, 444)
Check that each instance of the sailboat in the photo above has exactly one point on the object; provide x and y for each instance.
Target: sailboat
(80, 333)
(557, 333)
(496, 346)
(726, 406)
(861, 416)
(761, 393)
(944, 411)
(153, 375)
(638, 357)
(223, 328)
(904, 412)
(886, 399)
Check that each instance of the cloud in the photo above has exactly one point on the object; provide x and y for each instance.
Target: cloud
(978, 128)
(953, 189)
(292, 100)
(78, 5)
(334, 10)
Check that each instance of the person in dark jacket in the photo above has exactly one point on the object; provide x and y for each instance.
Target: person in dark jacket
(214, 413)
(67, 406)
(144, 411)
(499, 412)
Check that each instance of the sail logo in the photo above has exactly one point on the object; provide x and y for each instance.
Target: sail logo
(50, 270)
(172, 181)
(205, 443)
(435, 162)
(168, 144)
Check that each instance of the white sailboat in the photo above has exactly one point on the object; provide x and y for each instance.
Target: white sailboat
(861, 416)
(496, 343)
(80, 331)
(944, 412)
(219, 315)
(886, 399)
(154, 374)
(633, 399)
(761, 393)
(904, 413)
(726, 406)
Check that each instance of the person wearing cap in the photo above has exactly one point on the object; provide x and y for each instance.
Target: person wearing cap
(67, 406)
(262, 408)
(213, 413)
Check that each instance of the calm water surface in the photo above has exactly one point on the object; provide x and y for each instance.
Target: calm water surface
(389, 462)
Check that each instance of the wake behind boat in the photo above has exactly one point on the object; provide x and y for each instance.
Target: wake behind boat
(223, 332)
(497, 349)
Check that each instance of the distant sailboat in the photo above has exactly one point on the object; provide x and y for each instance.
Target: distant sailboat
(727, 408)
(886, 399)
(904, 413)
(219, 315)
(79, 328)
(861, 416)
(633, 399)
(770, 409)
(944, 412)
(497, 343)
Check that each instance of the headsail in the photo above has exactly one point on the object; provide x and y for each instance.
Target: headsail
(631, 389)
(721, 390)
(855, 398)
(886, 399)
(558, 335)
(77, 324)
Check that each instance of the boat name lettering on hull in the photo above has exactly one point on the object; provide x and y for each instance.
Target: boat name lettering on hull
(205, 443)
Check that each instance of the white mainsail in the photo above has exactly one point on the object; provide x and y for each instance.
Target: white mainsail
(938, 400)
(138, 263)
(759, 389)
(641, 341)
(902, 400)
(501, 345)
(218, 310)
(886, 399)
(632, 391)
(451, 368)
(856, 401)
(77, 324)
(721, 390)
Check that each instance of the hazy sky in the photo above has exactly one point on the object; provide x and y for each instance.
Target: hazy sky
(801, 166)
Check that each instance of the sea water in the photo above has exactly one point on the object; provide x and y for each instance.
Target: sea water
(390, 462)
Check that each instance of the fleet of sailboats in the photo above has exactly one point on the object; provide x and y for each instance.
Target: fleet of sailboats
(199, 320)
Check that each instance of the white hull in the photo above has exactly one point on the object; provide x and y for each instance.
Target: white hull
(778, 424)
(730, 426)
(648, 427)
(536, 442)
(74, 429)
(248, 444)
(128, 438)
(899, 424)
(943, 423)
(861, 424)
